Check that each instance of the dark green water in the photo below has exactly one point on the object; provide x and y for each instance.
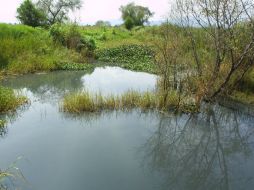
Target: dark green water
(122, 151)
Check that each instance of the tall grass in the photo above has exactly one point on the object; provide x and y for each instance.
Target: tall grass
(87, 102)
(25, 49)
(9, 101)
(2, 123)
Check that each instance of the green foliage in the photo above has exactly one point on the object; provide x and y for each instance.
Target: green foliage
(17, 31)
(129, 23)
(29, 15)
(2, 124)
(9, 101)
(24, 49)
(70, 37)
(134, 15)
(75, 66)
(133, 57)
(102, 23)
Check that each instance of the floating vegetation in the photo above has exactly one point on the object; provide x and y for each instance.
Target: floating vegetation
(132, 57)
(75, 66)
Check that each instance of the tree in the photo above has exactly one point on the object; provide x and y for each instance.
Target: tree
(227, 28)
(29, 15)
(102, 23)
(129, 23)
(136, 14)
(57, 10)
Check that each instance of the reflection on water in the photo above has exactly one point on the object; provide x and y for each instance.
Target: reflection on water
(116, 80)
(212, 150)
(123, 150)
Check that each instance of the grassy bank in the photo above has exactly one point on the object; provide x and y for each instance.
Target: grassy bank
(87, 102)
(24, 49)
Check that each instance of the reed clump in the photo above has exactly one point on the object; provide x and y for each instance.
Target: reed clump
(9, 100)
(81, 102)
(2, 123)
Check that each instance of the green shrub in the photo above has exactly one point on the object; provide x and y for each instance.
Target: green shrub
(70, 37)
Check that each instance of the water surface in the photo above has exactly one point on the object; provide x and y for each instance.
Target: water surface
(122, 150)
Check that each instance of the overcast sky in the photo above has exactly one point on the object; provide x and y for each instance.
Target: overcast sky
(92, 10)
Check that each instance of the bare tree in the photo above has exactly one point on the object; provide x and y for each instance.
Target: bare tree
(228, 34)
(57, 10)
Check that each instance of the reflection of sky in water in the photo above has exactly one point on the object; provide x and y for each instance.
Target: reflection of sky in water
(116, 80)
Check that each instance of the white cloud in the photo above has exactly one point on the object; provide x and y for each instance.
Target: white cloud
(92, 10)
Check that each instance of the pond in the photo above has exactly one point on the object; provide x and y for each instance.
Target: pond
(122, 150)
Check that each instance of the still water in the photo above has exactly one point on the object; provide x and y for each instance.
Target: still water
(122, 150)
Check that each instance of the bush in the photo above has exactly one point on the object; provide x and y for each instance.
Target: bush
(70, 37)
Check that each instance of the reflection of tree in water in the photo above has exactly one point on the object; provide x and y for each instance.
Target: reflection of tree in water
(202, 151)
(3, 131)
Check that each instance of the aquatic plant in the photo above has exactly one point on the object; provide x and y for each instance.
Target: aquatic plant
(11, 174)
(2, 123)
(9, 101)
(75, 66)
(88, 102)
(134, 57)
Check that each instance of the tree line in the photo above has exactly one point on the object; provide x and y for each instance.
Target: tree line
(49, 12)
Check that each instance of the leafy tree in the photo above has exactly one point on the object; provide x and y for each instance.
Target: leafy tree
(135, 14)
(57, 10)
(28, 14)
(129, 23)
(102, 23)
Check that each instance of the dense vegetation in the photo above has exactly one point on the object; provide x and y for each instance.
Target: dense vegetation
(132, 57)
(25, 49)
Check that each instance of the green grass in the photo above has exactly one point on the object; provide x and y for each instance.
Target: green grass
(87, 102)
(244, 97)
(25, 50)
(2, 123)
(9, 101)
